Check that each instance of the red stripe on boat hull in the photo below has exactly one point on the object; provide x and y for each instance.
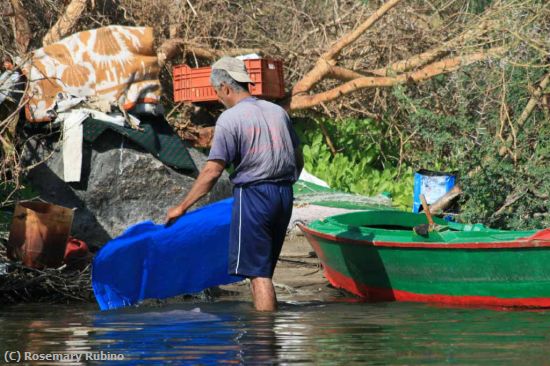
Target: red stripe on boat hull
(339, 280)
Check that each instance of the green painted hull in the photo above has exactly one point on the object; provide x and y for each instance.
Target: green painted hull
(377, 255)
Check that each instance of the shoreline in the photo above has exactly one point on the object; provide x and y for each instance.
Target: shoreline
(298, 276)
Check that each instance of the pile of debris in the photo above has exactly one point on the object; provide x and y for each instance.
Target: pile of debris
(19, 283)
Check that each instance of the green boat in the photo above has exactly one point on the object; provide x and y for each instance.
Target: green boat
(377, 255)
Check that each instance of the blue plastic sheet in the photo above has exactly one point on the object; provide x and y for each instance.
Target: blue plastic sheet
(432, 184)
(153, 261)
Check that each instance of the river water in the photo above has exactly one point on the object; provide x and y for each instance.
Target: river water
(308, 333)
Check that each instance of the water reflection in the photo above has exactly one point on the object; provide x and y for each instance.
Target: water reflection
(300, 333)
(39, 330)
(188, 336)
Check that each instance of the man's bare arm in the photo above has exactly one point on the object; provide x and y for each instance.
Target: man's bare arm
(208, 176)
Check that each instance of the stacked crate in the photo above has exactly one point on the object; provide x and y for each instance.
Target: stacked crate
(193, 84)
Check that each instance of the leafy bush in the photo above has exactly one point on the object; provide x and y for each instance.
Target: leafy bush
(456, 122)
(482, 104)
(358, 165)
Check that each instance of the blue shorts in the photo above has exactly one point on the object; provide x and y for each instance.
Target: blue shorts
(260, 217)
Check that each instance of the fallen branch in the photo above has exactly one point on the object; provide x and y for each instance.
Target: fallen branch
(441, 67)
(351, 37)
(172, 47)
(430, 55)
(445, 201)
(324, 63)
(343, 74)
(66, 22)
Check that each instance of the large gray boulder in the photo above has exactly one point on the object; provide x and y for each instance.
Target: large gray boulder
(121, 185)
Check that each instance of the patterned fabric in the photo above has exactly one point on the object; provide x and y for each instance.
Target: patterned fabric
(157, 138)
(115, 63)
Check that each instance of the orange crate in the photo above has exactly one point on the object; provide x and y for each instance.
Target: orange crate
(193, 84)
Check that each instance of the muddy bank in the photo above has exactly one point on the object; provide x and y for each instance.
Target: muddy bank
(298, 276)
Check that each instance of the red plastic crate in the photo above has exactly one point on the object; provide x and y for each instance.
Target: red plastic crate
(193, 84)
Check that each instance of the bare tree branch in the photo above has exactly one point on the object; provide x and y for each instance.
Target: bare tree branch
(65, 24)
(442, 203)
(21, 28)
(172, 47)
(323, 65)
(510, 200)
(351, 37)
(436, 68)
(343, 74)
(528, 109)
(430, 55)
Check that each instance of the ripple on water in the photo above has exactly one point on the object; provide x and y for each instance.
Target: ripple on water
(299, 333)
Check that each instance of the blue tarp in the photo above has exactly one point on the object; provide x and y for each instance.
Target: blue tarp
(153, 261)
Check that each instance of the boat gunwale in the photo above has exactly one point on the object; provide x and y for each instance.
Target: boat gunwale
(527, 242)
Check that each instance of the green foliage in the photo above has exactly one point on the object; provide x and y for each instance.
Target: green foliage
(477, 6)
(453, 122)
(462, 123)
(357, 166)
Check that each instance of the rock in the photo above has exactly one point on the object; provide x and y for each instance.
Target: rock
(121, 185)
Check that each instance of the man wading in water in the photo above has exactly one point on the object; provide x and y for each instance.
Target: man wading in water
(257, 137)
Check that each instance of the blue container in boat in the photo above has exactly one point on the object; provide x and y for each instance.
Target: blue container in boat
(432, 184)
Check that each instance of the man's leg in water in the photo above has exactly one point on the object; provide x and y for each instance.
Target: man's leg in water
(263, 294)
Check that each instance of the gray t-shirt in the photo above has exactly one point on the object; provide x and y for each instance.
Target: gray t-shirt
(257, 137)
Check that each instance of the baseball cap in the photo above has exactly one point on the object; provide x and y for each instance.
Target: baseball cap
(234, 67)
